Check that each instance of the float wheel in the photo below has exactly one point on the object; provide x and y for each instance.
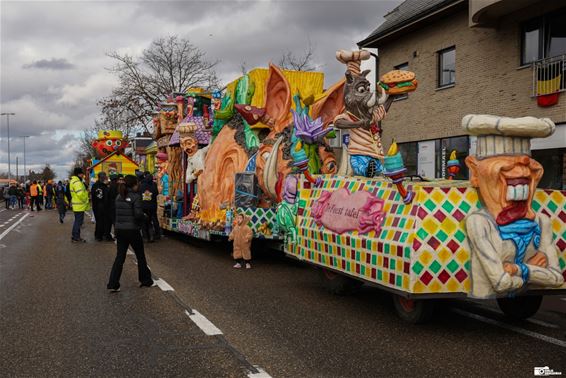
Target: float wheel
(520, 308)
(414, 311)
(338, 284)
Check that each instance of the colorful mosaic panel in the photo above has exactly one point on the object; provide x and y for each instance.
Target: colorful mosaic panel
(440, 261)
(260, 219)
(366, 256)
(422, 247)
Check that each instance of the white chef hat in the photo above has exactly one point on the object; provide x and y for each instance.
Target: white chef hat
(505, 135)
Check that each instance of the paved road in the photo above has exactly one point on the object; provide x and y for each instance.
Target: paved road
(57, 319)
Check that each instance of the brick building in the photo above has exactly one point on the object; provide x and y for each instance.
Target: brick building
(477, 56)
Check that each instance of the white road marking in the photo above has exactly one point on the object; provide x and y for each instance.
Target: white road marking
(543, 323)
(203, 323)
(13, 226)
(260, 373)
(163, 285)
(510, 327)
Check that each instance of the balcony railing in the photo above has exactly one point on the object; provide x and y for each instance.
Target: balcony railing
(549, 76)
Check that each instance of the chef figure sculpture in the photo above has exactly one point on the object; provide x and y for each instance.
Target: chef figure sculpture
(511, 246)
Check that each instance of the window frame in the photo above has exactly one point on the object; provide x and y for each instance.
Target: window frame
(541, 49)
(439, 62)
(544, 35)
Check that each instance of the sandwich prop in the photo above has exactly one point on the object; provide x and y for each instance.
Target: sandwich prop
(398, 82)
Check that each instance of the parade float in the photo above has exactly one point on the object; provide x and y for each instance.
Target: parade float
(352, 213)
(110, 157)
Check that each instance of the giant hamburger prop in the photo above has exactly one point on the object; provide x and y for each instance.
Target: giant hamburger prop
(398, 82)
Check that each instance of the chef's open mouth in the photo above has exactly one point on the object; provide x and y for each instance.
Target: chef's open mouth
(518, 189)
(517, 195)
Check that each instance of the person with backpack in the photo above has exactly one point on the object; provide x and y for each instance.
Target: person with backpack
(129, 219)
(21, 196)
(61, 201)
(148, 190)
(100, 200)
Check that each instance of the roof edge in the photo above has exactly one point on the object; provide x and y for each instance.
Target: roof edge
(439, 8)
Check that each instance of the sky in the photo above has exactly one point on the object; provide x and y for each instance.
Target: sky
(54, 67)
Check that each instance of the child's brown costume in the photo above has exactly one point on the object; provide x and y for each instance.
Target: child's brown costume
(242, 235)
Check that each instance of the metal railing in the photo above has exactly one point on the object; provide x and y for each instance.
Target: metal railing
(549, 76)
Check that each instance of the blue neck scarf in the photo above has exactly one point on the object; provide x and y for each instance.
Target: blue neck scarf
(522, 232)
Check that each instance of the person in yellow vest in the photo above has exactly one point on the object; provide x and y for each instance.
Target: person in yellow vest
(40, 193)
(79, 203)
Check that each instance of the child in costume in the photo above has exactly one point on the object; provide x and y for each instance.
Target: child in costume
(242, 236)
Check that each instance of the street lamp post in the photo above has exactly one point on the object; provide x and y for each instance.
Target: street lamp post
(25, 167)
(8, 123)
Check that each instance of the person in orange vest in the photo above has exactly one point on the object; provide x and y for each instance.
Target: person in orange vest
(34, 193)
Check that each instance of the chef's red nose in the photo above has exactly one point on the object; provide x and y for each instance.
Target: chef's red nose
(524, 160)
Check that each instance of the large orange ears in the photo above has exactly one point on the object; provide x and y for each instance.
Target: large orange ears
(277, 99)
(330, 104)
(472, 163)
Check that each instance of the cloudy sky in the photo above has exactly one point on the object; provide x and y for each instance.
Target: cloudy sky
(53, 54)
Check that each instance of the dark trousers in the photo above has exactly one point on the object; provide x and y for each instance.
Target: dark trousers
(35, 201)
(102, 225)
(62, 213)
(124, 239)
(21, 202)
(79, 217)
(151, 229)
(49, 202)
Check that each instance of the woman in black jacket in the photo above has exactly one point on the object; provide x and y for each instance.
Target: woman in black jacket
(129, 219)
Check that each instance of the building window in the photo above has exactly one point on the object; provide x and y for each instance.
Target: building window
(543, 37)
(554, 163)
(444, 148)
(404, 67)
(409, 153)
(447, 67)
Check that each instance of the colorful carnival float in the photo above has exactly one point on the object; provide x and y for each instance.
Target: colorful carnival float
(263, 149)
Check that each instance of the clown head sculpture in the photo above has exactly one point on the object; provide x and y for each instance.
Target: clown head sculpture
(108, 142)
(511, 245)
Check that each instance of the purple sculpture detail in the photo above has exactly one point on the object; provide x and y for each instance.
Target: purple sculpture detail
(310, 131)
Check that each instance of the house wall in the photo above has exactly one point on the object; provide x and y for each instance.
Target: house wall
(488, 77)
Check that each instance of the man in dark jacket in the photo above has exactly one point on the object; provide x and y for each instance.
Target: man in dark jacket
(100, 202)
(149, 192)
(13, 193)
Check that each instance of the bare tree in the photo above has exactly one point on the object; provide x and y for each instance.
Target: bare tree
(169, 65)
(302, 62)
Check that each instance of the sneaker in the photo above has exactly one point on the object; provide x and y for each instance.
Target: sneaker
(237, 266)
(78, 240)
(110, 239)
(248, 266)
(114, 290)
(148, 284)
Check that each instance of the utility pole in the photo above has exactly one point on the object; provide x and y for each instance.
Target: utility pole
(8, 122)
(17, 166)
(25, 167)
